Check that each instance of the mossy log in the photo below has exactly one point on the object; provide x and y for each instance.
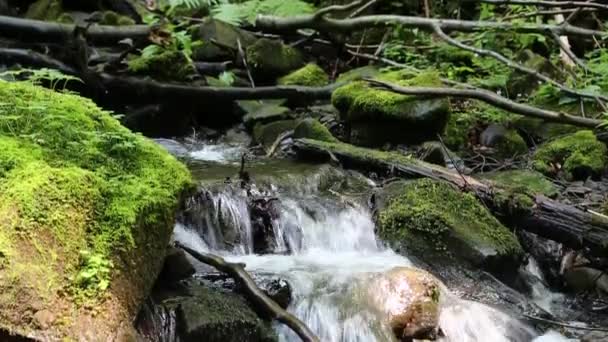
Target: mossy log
(532, 212)
(254, 294)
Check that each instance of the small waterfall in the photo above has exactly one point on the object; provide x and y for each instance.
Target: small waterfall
(541, 294)
(333, 248)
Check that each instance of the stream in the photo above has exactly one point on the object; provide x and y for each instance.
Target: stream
(325, 246)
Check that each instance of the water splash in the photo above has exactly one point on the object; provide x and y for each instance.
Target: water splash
(219, 153)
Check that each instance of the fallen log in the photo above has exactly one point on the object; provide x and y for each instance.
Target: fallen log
(28, 30)
(254, 293)
(571, 226)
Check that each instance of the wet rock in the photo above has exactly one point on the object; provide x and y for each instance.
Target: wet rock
(263, 112)
(595, 336)
(312, 129)
(310, 75)
(434, 221)
(270, 58)
(225, 36)
(264, 213)
(576, 156)
(409, 298)
(174, 147)
(581, 279)
(506, 143)
(376, 117)
(276, 288)
(547, 253)
(214, 315)
(177, 266)
(268, 133)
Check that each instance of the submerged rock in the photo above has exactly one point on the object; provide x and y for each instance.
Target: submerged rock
(577, 156)
(434, 221)
(310, 75)
(312, 129)
(408, 298)
(270, 58)
(376, 117)
(87, 211)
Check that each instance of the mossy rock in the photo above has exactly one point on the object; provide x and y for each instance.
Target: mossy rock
(310, 75)
(505, 142)
(523, 181)
(168, 65)
(578, 156)
(356, 74)
(434, 221)
(263, 112)
(87, 210)
(225, 37)
(266, 134)
(215, 315)
(313, 129)
(270, 58)
(45, 10)
(539, 130)
(376, 117)
(519, 83)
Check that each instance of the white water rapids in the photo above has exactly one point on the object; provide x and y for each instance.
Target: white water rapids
(331, 247)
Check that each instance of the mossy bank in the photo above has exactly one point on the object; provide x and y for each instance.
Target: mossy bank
(86, 212)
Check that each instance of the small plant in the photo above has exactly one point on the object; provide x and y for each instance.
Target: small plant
(38, 76)
(94, 276)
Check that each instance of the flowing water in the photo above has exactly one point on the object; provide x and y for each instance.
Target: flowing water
(325, 246)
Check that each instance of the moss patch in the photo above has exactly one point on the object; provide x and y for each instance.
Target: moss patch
(266, 134)
(313, 129)
(168, 65)
(45, 10)
(270, 58)
(431, 218)
(115, 19)
(79, 194)
(577, 155)
(310, 75)
(523, 181)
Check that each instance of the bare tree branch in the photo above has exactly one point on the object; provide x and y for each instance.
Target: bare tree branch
(254, 293)
(516, 66)
(544, 3)
(565, 48)
(324, 24)
(548, 12)
(492, 99)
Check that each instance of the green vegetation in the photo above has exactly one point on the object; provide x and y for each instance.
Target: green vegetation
(431, 218)
(310, 75)
(523, 181)
(166, 65)
(577, 155)
(81, 199)
(266, 134)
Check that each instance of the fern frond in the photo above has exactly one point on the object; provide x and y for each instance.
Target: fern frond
(247, 11)
(192, 4)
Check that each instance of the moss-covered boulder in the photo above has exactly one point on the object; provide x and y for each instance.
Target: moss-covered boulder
(266, 134)
(219, 40)
(504, 142)
(86, 212)
(310, 75)
(376, 117)
(356, 74)
(575, 156)
(167, 65)
(114, 19)
(523, 181)
(270, 58)
(45, 10)
(312, 129)
(520, 83)
(434, 221)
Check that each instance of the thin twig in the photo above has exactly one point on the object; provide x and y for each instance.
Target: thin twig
(561, 324)
(362, 8)
(566, 49)
(546, 3)
(547, 13)
(244, 59)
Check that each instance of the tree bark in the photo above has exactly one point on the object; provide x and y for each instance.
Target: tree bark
(28, 30)
(571, 226)
(254, 293)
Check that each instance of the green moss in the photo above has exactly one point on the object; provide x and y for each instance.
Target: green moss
(358, 101)
(266, 134)
(313, 129)
(72, 179)
(115, 19)
(270, 57)
(168, 65)
(361, 153)
(510, 145)
(310, 75)
(368, 71)
(431, 217)
(45, 10)
(580, 155)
